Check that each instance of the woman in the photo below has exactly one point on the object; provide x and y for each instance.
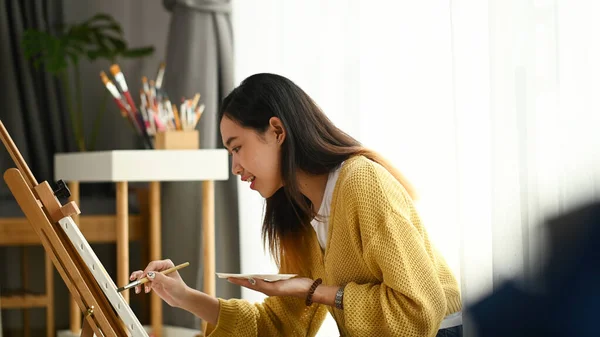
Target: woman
(337, 215)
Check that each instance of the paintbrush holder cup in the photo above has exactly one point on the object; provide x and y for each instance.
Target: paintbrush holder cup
(177, 140)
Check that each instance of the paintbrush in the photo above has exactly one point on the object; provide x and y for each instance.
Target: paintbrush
(160, 75)
(145, 279)
(114, 92)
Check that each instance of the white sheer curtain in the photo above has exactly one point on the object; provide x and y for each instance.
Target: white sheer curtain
(490, 107)
(525, 84)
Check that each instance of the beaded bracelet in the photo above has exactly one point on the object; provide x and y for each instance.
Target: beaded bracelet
(339, 296)
(312, 291)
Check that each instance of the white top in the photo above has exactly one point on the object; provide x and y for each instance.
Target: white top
(322, 227)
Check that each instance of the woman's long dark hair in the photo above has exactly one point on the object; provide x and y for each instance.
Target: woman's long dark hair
(313, 144)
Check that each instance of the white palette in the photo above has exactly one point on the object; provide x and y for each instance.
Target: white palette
(107, 285)
(264, 277)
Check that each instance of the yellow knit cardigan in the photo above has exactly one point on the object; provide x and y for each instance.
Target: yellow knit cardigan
(396, 284)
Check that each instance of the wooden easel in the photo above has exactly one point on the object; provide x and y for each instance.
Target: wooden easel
(106, 313)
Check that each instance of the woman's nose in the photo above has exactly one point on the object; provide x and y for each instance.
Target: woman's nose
(236, 168)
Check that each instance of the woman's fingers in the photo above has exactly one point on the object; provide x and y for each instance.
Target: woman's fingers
(154, 267)
(158, 265)
(251, 283)
(136, 275)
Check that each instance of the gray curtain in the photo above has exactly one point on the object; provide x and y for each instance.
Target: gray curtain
(31, 104)
(32, 113)
(200, 59)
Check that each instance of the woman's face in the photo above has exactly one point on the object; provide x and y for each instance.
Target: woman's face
(256, 157)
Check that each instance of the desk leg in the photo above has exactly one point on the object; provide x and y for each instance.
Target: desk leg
(50, 295)
(25, 282)
(123, 237)
(208, 238)
(75, 312)
(156, 314)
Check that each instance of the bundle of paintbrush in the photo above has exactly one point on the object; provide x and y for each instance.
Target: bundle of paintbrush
(124, 101)
(164, 115)
(156, 113)
(189, 113)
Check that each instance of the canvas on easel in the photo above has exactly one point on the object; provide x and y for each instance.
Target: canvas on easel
(106, 313)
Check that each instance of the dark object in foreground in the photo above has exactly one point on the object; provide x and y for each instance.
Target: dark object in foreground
(564, 300)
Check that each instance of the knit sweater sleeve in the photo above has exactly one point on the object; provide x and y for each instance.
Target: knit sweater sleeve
(276, 316)
(408, 299)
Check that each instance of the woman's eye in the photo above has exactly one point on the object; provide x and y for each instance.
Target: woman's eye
(236, 149)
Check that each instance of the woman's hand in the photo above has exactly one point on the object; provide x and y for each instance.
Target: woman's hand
(170, 288)
(297, 287)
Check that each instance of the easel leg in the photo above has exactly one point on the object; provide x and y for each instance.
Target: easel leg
(87, 330)
(75, 312)
(50, 295)
(155, 254)
(25, 282)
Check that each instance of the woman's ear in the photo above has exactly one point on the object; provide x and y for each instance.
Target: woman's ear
(278, 129)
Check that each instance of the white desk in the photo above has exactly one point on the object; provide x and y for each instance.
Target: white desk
(154, 166)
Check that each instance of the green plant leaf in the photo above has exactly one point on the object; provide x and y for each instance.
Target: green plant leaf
(78, 32)
(73, 44)
(113, 27)
(56, 64)
(102, 40)
(74, 57)
(43, 48)
(138, 52)
(101, 17)
(99, 53)
(74, 48)
(118, 44)
(35, 43)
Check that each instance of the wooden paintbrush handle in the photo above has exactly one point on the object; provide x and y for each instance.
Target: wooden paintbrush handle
(167, 271)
